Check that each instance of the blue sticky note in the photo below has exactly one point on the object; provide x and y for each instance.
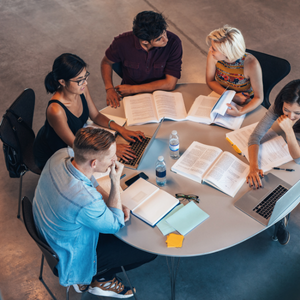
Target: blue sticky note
(187, 218)
(163, 226)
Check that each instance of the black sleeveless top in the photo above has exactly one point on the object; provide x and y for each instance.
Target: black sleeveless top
(47, 142)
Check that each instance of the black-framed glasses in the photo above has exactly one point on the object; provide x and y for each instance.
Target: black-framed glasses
(188, 197)
(81, 81)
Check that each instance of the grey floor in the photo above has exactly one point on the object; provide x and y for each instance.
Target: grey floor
(34, 32)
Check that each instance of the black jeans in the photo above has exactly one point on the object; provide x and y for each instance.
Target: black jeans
(113, 253)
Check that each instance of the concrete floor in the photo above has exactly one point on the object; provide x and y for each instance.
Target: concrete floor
(34, 32)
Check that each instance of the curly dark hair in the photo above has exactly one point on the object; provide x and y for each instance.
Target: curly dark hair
(149, 25)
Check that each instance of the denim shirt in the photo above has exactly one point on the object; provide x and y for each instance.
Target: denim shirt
(69, 214)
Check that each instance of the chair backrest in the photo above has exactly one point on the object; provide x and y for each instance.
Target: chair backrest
(274, 69)
(17, 135)
(117, 67)
(49, 253)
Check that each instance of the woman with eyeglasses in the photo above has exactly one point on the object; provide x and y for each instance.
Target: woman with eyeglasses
(230, 66)
(69, 108)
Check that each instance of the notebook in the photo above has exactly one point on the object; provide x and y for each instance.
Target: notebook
(140, 149)
(266, 204)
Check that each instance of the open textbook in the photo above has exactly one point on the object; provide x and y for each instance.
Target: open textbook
(208, 110)
(147, 201)
(210, 164)
(273, 150)
(151, 108)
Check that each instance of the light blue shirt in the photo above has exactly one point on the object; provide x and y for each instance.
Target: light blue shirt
(69, 214)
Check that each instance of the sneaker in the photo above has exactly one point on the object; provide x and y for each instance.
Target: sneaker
(80, 288)
(282, 234)
(110, 288)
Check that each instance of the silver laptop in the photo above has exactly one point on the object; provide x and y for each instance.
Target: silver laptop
(266, 204)
(140, 149)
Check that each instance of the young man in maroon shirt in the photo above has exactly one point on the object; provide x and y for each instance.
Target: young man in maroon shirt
(150, 57)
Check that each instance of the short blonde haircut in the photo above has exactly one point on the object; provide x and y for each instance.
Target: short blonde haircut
(229, 41)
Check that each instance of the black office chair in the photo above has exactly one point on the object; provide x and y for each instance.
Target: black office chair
(17, 136)
(47, 252)
(117, 67)
(274, 69)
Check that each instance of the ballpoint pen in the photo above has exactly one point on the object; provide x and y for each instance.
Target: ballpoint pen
(289, 170)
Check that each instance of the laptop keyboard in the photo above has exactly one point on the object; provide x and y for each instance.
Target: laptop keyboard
(138, 148)
(265, 207)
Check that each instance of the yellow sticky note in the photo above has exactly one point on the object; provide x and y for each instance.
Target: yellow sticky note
(174, 240)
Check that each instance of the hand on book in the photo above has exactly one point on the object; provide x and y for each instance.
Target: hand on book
(112, 98)
(125, 152)
(234, 110)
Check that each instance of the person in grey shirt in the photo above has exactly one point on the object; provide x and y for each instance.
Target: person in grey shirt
(286, 112)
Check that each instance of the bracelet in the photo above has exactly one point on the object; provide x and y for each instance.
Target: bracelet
(109, 123)
(109, 89)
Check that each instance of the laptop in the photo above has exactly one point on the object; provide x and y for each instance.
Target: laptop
(140, 149)
(266, 204)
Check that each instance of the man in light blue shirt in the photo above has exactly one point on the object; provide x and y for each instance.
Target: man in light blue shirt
(70, 210)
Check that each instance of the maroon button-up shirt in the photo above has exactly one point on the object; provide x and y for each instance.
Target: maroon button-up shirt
(140, 66)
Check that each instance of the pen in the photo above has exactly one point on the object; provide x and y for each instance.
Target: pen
(289, 170)
(122, 176)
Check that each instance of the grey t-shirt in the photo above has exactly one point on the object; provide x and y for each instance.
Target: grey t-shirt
(264, 125)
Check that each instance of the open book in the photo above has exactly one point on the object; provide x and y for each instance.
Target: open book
(210, 110)
(147, 201)
(210, 164)
(151, 108)
(273, 150)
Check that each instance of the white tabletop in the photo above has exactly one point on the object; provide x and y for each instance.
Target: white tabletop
(226, 226)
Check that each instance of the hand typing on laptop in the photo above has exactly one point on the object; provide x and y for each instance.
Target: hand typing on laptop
(124, 151)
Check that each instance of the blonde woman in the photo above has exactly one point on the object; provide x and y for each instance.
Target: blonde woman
(229, 66)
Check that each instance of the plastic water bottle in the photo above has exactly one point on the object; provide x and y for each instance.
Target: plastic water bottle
(161, 171)
(174, 145)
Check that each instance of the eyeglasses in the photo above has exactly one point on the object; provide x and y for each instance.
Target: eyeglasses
(81, 81)
(188, 197)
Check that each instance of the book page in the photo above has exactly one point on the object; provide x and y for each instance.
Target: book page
(229, 121)
(196, 160)
(241, 137)
(137, 193)
(201, 108)
(139, 109)
(169, 105)
(273, 153)
(156, 207)
(227, 174)
(221, 105)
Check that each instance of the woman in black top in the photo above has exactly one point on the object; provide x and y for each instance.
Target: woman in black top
(69, 108)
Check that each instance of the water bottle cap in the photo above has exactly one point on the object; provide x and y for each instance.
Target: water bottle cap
(161, 158)
(174, 132)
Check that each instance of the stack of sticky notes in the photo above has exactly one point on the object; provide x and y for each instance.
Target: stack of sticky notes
(174, 240)
(183, 219)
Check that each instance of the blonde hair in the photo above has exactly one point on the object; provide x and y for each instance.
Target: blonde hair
(229, 41)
